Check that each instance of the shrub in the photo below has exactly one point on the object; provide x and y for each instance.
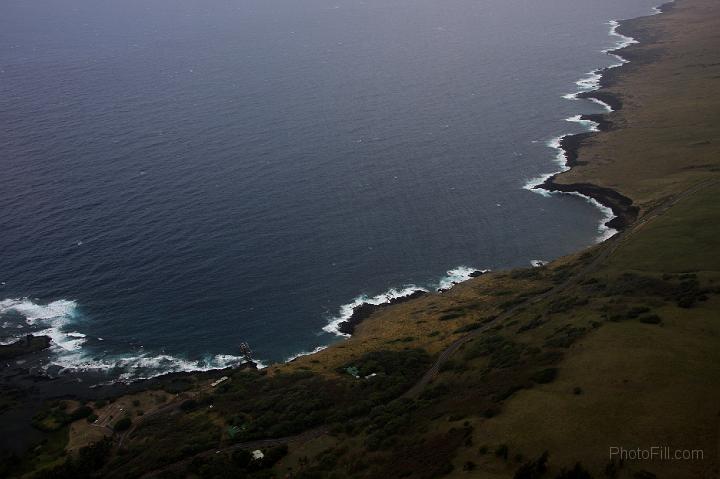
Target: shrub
(241, 457)
(508, 392)
(189, 405)
(88, 461)
(545, 376)
(565, 337)
(469, 327)
(565, 304)
(534, 323)
(511, 303)
(81, 413)
(577, 472)
(449, 365)
(450, 315)
(533, 469)
(636, 311)
(122, 425)
(502, 451)
(525, 273)
(651, 319)
(490, 412)
(612, 469)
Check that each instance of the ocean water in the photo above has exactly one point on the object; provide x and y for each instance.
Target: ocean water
(181, 176)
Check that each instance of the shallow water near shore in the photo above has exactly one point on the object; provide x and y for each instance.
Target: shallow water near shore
(181, 176)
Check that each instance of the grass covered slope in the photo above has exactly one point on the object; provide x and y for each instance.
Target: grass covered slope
(665, 137)
(524, 373)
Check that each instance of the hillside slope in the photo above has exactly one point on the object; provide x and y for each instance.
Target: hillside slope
(616, 346)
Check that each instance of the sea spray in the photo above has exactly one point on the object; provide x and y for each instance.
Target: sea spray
(59, 320)
(588, 83)
(452, 277)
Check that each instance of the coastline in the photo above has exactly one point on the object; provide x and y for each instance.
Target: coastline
(620, 211)
(480, 379)
(623, 210)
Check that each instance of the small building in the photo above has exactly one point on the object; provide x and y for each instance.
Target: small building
(257, 454)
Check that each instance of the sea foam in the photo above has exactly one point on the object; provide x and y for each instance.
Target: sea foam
(59, 320)
(133, 367)
(589, 82)
(346, 310)
(452, 277)
(305, 353)
(51, 319)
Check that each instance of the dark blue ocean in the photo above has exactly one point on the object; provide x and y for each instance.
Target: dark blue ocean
(181, 176)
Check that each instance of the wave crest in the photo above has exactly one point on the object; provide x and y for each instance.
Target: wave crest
(453, 276)
(590, 82)
(56, 319)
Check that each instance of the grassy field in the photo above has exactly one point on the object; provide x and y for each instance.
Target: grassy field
(666, 136)
(527, 373)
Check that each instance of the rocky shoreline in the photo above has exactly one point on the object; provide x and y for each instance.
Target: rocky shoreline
(623, 209)
(28, 344)
(622, 206)
(365, 310)
(22, 379)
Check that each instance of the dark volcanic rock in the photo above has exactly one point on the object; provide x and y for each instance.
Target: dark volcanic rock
(622, 206)
(29, 344)
(571, 144)
(365, 310)
(610, 99)
(602, 120)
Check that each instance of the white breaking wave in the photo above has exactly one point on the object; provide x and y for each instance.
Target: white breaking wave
(47, 319)
(608, 108)
(588, 124)
(453, 276)
(457, 275)
(560, 159)
(590, 82)
(346, 310)
(305, 353)
(33, 312)
(604, 231)
(623, 40)
(145, 366)
(54, 318)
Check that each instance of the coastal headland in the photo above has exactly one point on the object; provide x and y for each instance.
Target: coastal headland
(538, 372)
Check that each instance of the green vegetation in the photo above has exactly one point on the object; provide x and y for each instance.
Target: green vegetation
(537, 366)
(55, 416)
(122, 424)
(84, 465)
